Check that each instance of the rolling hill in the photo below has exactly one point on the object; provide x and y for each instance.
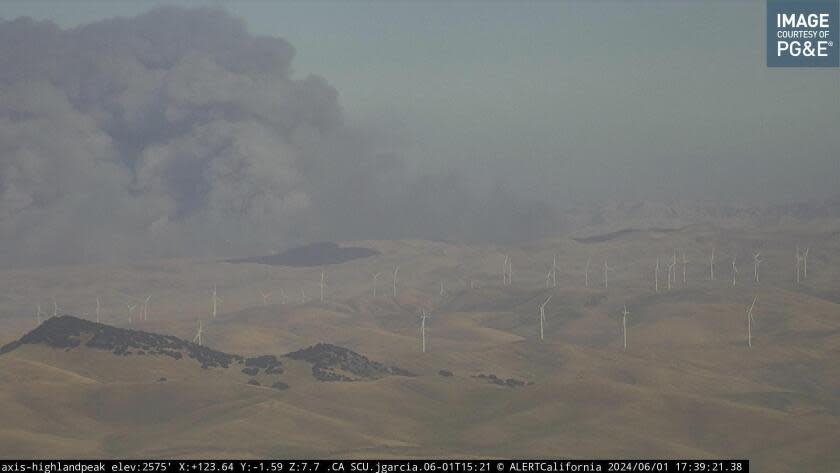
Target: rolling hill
(687, 386)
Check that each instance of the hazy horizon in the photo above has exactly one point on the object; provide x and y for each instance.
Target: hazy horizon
(387, 110)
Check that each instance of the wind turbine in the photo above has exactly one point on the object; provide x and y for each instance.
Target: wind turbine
(442, 292)
(282, 296)
(805, 265)
(197, 338)
(423, 331)
(586, 271)
(375, 278)
(504, 270)
(750, 321)
(799, 259)
(38, 314)
(55, 308)
(322, 287)
(542, 315)
(672, 272)
(130, 309)
(215, 300)
(624, 315)
(734, 270)
(97, 310)
(656, 276)
(712, 264)
(146, 308)
(674, 265)
(396, 270)
(554, 271)
(265, 297)
(684, 264)
(548, 279)
(607, 268)
(756, 262)
(302, 296)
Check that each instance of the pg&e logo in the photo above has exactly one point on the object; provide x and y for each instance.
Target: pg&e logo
(802, 33)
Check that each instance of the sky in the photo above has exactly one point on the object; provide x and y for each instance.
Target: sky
(127, 129)
(630, 99)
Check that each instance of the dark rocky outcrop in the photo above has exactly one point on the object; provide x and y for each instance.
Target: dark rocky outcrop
(269, 363)
(334, 363)
(445, 373)
(277, 369)
(251, 371)
(70, 332)
(509, 382)
(329, 362)
(316, 254)
(620, 233)
(280, 386)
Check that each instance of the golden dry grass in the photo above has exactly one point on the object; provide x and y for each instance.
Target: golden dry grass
(688, 386)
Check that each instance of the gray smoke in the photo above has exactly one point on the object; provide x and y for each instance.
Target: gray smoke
(177, 132)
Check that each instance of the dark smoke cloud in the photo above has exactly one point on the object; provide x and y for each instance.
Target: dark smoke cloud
(179, 133)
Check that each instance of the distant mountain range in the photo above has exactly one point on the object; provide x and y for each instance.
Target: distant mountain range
(587, 220)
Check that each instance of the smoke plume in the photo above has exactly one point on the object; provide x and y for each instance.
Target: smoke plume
(177, 132)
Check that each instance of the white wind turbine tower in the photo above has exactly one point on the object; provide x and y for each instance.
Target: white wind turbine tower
(423, 331)
(146, 308)
(215, 300)
(672, 271)
(302, 296)
(756, 263)
(38, 314)
(442, 291)
(55, 308)
(684, 264)
(805, 263)
(542, 315)
(799, 259)
(130, 309)
(750, 322)
(656, 276)
(507, 272)
(197, 338)
(734, 270)
(375, 278)
(396, 270)
(322, 287)
(712, 265)
(265, 297)
(548, 279)
(586, 271)
(674, 264)
(607, 269)
(98, 307)
(624, 315)
(282, 296)
(554, 271)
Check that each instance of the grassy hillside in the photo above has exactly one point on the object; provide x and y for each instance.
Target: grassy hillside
(687, 386)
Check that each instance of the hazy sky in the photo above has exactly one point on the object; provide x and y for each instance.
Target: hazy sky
(594, 99)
